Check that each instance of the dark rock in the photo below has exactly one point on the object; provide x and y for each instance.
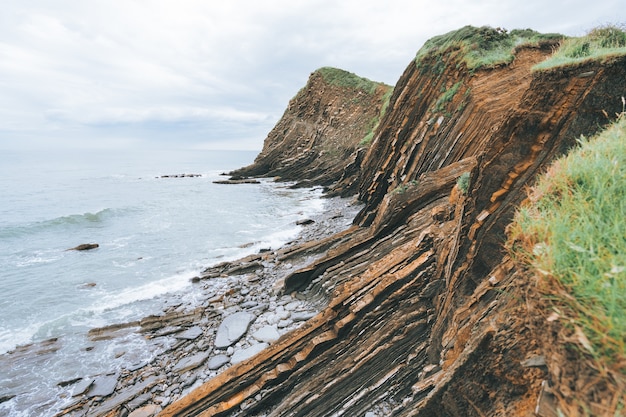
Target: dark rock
(5, 398)
(243, 181)
(181, 176)
(305, 222)
(85, 246)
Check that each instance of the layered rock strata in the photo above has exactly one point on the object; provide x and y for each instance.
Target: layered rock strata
(322, 128)
(423, 313)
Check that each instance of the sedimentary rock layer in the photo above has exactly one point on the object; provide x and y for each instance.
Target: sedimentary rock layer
(423, 314)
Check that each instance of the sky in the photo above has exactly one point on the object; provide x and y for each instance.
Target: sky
(207, 74)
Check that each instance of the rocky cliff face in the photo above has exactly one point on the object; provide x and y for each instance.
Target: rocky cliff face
(426, 313)
(321, 129)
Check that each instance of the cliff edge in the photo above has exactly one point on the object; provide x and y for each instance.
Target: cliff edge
(426, 312)
(323, 127)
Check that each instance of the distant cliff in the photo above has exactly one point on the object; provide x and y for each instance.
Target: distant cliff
(427, 315)
(323, 128)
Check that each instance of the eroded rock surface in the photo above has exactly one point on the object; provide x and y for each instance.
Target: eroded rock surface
(423, 315)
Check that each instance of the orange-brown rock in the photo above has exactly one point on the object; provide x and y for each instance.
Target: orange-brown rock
(424, 316)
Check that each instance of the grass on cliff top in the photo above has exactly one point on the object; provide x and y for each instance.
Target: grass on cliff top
(573, 230)
(347, 79)
(483, 46)
(601, 43)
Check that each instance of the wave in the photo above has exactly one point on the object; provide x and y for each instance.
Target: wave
(78, 220)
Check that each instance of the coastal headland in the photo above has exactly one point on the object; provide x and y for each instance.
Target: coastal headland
(403, 298)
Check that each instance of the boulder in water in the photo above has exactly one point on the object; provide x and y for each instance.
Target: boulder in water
(85, 246)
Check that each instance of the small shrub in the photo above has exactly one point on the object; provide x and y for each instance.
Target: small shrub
(463, 182)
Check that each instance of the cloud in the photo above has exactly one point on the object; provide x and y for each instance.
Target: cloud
(219, 72)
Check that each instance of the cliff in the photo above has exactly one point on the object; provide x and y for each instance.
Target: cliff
(323, 126)
(426, 313)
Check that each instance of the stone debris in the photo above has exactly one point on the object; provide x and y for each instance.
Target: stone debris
(190, 334)
(217, 361)
(233, 328)
(267, 334)
(244, 354)
(191, 362)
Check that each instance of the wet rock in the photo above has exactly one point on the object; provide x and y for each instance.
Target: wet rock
(190, 362)
(242, 355)
(181, 176)
(233, 328)
(85, 246)
(241, 181)
(305, 222)
(5, 398)
(190, 334)
(103, 386)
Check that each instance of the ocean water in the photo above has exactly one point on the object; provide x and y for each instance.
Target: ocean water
(154, 235)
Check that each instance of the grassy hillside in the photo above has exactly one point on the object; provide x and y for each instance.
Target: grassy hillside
(482, 46)
(601, 43)
(572, 232)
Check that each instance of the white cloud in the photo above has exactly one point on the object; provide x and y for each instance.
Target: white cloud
(72, 69)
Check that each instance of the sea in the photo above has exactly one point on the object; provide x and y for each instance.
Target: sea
(154, 234)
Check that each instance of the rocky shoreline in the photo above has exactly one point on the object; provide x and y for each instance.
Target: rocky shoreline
(238, 309)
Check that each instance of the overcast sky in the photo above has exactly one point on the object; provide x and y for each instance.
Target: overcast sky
(217, 74)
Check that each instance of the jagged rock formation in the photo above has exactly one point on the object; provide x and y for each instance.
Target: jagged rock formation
(426, 313)
(321, 129)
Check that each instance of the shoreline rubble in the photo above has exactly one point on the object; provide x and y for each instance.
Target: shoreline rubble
(187, 339)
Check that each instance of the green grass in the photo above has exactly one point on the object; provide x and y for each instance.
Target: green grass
(347, 79)
(573, 229)
(367, 139)
(480, 47)
(601, 43)
(463, 182)
(447, 96)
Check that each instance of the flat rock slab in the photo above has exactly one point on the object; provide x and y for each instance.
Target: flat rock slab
(145, 411)
(242, 355)
(103, 386)
(190, 362)
(267, 334)
(303, 315)
(190, 334)
(233, 328)
(82, 386)
(217, 362)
